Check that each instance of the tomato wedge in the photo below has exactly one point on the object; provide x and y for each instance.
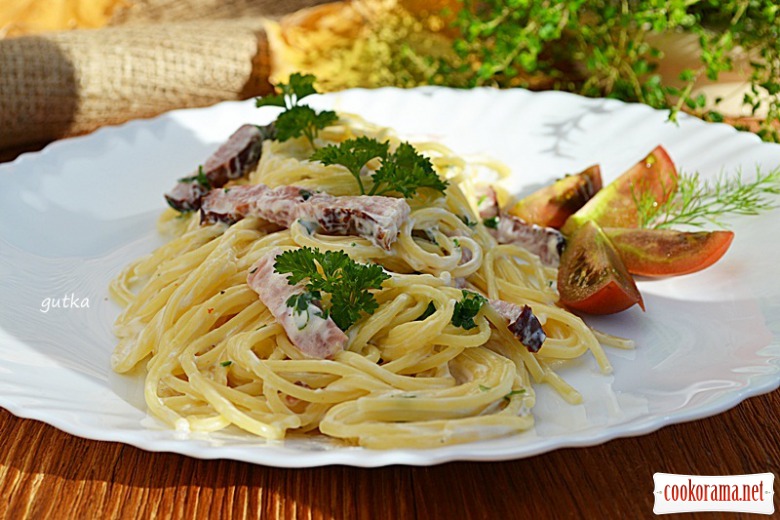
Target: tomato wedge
(663, 252)
(552, 205)
(615, 205)
(592, 278)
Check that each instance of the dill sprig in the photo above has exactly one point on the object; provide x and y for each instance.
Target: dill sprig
(698, 202)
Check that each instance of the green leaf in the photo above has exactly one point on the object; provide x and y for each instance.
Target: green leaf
(353, 154)
(200, 178)
(406, 171)
(700, 202)
(297, 120)
(271, 101)
(467, 309)
(513, 393)
(300, 263)
(324, 119)
(332, 273)
(294, 121)
(429, 310)
(491, 222)
(302, 85)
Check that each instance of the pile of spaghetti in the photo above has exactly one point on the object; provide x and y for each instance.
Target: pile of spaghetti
(433, 361)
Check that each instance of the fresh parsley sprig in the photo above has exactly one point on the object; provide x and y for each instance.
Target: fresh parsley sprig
(700, 202)
(353, 154)
(335, 274)
(467, 309)
(297, 120)
(403, 171)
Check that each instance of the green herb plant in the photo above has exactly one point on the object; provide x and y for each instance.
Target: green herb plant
(608, 48)
(403, 171)
(297, 120)
(341, 286)
(699, 203)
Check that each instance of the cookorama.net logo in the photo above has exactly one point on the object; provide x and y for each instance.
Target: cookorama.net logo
(732, 493)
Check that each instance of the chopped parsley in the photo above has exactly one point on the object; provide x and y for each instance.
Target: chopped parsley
(484, 388)
(333, 273)
(467, 309)
(201, 179)
(300, 302)
(430, 309)
(226, 363)
(491, 222)
(513, 393)
(466, 220)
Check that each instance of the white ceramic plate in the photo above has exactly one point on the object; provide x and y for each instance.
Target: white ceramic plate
(72, 215)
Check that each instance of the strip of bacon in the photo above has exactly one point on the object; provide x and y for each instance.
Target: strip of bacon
(376, 218)
(522, 324)
(545, 242)
(234, 159)
(315, 336)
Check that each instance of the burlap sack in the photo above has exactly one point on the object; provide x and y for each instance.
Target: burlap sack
(73, 82)
(155, 56)
(140, 12)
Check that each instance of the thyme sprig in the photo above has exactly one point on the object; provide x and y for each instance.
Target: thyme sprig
(612, 48)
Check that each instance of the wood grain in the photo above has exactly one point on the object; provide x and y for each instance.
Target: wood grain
(45, 473)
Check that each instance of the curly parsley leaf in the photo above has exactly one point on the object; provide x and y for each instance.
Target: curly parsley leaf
(353, 154)
(297, 120)
(405, 171)
(302, 120)
(467, 309)
(298, 87)
(335, 274)
(276, 100)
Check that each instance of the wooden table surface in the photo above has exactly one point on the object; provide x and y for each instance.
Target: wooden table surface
(45, 473)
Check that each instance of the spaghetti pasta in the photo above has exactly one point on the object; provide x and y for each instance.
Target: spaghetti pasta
(217, 357)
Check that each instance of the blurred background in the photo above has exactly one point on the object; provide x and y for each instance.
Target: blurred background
(68, 67)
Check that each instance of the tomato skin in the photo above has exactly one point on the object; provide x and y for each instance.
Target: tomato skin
(663, 252)
(592, 278)
(615, 205)
(552, 205)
